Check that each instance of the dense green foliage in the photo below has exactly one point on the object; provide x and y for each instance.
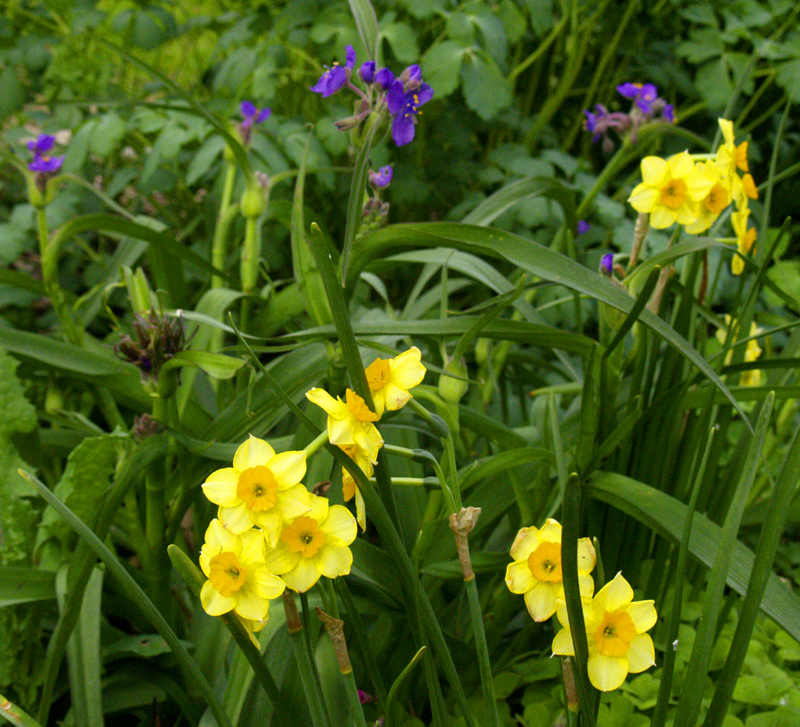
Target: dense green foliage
(164, 222)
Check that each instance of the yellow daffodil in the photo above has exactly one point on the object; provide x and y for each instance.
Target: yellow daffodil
(731, 158)
(262, 488)
(716, 200)
(749, 186)
(314, 545)
(745, 238)
(238, 578)
(349, 421)
(670, 190)
(615, 630)
(390, 379)
(536, 570)
(349, 489)
(751, 353)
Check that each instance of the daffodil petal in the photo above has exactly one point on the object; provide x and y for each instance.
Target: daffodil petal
(219, 539)
(407, 369)
(587, 557)
(726, 127)
(319, 508)
(525, 543)
(252, 453)
(334, 560)
(519, 578)
(541, 601)
(236, 519)
(271, 523)
(618, 593)
(681, 164)
(280, 559)
(339, 527)
(288, 468)
(303, 576)
(641, 655)
(266, 585)
(654, 170)
(361, 510)
(220, 487)
(252, 548)
(395, 396)
(550, 532)
(585, 583)
(294, 502)
(214, 603)
(643, 198)
(643, 614)
(607, 672)
(661, 218)
(341, 431)
(250, 605)
(323, 400)
(562, 643)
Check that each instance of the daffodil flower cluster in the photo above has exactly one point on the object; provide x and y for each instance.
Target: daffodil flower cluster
(270, 533)
(615, 625)
(351, 423)
(693, 190)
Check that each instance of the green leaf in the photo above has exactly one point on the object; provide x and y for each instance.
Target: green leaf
(528, 256)
(403, 41)
(216, 365)
(12, 92)
(788, 77)
(441, 67)
(15, 715)
(486, 90)
(665, 515)
(25, 585)
(367, 24)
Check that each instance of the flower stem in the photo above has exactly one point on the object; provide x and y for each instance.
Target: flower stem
(315, 445)
(319, 714)
(219, 245)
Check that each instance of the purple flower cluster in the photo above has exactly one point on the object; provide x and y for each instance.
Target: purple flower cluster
(399, 97)
(647, 107)
(42, 162)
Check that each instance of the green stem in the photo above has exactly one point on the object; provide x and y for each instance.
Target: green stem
(484, 664)
(316, 444)
(219, 245)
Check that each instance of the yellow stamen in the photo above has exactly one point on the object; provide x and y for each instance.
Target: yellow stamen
(257, 488)
(303, 536)
(226, 574)
(545, 562)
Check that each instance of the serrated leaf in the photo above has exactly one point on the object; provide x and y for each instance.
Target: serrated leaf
(486, 90)
(715, 84)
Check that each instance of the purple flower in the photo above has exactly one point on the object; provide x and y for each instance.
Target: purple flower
(46, 164)
(583, 227)
(384, 78)
(252, 115)
(405, 107)
(593, 119)
(411, 77)
(643, 95)
(607, 264)
(668, 112)
(367, 72)
(363, 697)
(42, 144)
(336, 77)
(381, 178)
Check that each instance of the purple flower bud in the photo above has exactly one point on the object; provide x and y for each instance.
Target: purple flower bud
(42, 144)
(367, 72)
(583, 227)
(629, 90)
(411, 77)
(363, 697)
(607, 264)
(668, 112)
(384, 78)
(381, 178)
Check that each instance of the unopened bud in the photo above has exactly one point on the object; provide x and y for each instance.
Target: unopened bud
(253, 203)
(452, 389)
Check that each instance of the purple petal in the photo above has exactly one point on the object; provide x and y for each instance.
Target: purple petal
(384, 78)
(331, 81)
(591, 120)
(350, 55)
(648, 92)
(669, 113)
(248, 109)
(42, 144)
(48, 165)
(607, 264)
(424, 94)
(367, 72)
(263, 115)
(412, 73)
(629, 90)
(583, 227)
(403, 129)
(396, 97)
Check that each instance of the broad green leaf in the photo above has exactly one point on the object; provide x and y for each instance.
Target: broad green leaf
(486, 90)
(441, 67)
(665, 515)
(482, 562)
(214, 364)
(502, 462)
(25, 585)
(529, 256)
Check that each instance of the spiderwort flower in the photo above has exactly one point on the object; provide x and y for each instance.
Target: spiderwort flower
(583, 227)
(262, 489)
(238, 578)
(615, 629)
(42, 162)
(314, 545)
(404, 107)
(643, 95)
(252, 115)
(336, 76)
(367, 72)
(607, 264)
(380, 179)
(536, 570)
(384, 78)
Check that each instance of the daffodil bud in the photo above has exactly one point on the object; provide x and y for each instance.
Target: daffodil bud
(253, 203)
(452, 389)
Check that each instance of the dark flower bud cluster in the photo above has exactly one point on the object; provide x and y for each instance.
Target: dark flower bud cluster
(156, 339)
(647, 108)
(399, 97)
(145, 426)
